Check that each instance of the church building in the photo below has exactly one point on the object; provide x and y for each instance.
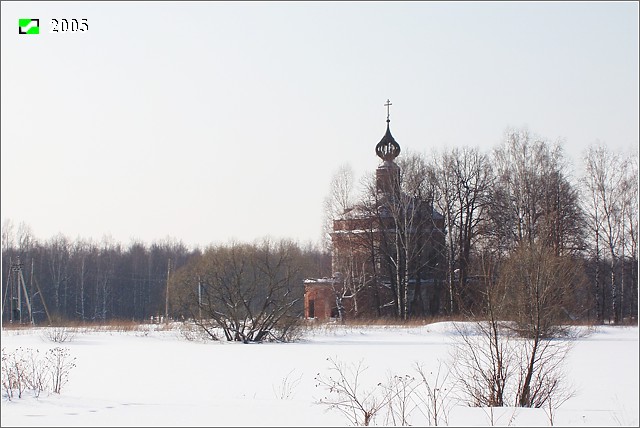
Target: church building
(387, 252)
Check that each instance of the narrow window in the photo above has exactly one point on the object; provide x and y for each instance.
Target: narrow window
(312, 308)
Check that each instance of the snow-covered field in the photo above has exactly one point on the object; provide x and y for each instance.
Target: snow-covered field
(156, 377)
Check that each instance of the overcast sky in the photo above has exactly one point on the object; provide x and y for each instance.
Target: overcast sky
(210, 121)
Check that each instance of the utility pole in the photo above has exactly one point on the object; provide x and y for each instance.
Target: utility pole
(46, 310)
(21, 287)
(166, 302)
(7, 293)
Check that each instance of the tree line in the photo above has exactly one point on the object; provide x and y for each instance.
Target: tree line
(513, 205)
(501, 206)
(97, 281)
(85, 280)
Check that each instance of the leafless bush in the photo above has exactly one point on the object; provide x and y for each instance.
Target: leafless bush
(399, 396)
(433, 393)
(59, 334)
(346, 395)
(286, 388)
(26, 370)
(60, 364)
(14, 372)
(249, 292)
(543, 384)
(39, 372)
(494, 368)
(556, 398)
(482, 364)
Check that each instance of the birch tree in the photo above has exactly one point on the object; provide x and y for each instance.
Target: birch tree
(349, 248)
(606, 182)
(532, 198)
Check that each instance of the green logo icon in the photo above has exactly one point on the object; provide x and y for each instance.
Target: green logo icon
(28, 26)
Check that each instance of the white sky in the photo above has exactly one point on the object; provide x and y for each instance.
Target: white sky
(206, 121)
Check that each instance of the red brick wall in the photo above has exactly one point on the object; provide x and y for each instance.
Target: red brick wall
(323, 298)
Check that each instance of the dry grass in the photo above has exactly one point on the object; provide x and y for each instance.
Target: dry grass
(398, 322)
(306, 325)
(89, 326)
(15, 326)
(110, 325)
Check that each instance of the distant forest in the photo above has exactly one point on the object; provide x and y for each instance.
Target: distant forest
(83, 280)
(520, 194)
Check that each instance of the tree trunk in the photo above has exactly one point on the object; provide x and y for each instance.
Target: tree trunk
(525, 391)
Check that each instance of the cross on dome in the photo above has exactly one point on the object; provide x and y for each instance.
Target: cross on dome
(388, 104)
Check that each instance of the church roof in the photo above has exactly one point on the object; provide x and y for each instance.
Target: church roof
(388, 149)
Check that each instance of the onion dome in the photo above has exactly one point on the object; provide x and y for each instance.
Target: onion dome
(388, 149)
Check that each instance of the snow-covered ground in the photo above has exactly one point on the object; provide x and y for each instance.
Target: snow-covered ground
(156, 377)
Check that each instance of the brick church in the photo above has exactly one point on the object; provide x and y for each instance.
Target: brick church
(387, 252)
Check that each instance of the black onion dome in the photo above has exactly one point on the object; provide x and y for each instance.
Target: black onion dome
(388, 149)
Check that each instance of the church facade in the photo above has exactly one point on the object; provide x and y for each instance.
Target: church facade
(387, 252)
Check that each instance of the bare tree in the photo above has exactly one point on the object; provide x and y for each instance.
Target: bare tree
(513, 357)
(58, 259)
(349, 247)
(630, 235)
(8, 237)
(106, 263)
(464, 180)
(339, 200)
(533, 199)
(415, 232)
(251, 292)
(594, 218)
(483, 358)
(542, 379)
(537, 285)
(539, 291)
(605, 180)
(628, 250)
(80, 253)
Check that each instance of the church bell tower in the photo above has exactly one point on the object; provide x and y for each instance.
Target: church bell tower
(388, 173)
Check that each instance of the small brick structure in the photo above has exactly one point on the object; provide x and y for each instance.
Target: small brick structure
(320, 299)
